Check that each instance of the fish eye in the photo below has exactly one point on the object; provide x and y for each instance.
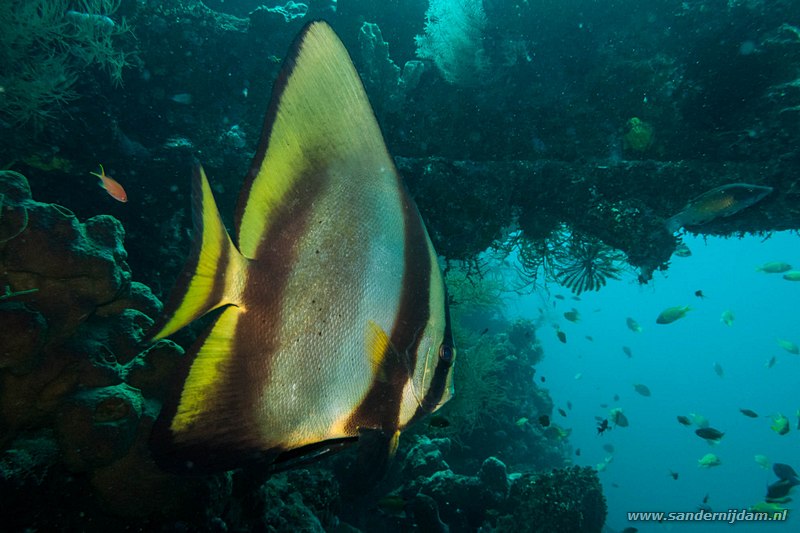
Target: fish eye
(446, 353)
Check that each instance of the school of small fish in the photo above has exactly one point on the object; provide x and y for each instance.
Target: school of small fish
(777, 492)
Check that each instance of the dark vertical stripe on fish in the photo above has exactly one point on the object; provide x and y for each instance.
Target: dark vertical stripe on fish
(257, 332)
(380, 408)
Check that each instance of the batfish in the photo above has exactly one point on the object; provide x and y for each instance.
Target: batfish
(333, 318)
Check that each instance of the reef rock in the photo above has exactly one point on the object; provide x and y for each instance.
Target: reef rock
(569, 499)
(76, 378)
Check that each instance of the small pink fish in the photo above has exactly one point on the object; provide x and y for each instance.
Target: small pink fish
(112, 187)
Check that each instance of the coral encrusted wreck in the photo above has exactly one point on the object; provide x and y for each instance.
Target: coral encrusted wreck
(76, 385)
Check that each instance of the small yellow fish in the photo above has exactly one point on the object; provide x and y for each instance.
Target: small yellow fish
(762, 461)
(671, 314)
(764, 507)
(780, 424)
(521, 422)
(792, 275)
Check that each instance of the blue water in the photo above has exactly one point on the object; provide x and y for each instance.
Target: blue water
(676, 362)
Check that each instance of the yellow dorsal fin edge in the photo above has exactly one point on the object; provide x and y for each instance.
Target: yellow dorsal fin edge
(320, 121)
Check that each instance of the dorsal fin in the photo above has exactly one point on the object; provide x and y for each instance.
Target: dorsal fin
(319, 116)
(207, 280)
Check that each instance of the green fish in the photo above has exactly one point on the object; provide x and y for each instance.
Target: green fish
(722, 201)
(556, 433)
(762, 461)
(333, 322)
(617, 417)
(627, 351)
(727, 317)
(792, 275)
(671, 314)
(780, 424)
(682, 251)
(709, 460)
(789, 346)
(641, 389)
(764, 507)
(699, 420)
(774, 267)
(573, 315)
(633, 325)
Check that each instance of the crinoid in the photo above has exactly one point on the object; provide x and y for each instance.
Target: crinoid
(585, 264)
(535, 257)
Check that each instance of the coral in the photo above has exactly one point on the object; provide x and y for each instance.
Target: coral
(480, 392)
(494, 390)
(289, 11)
(453, 40)
(463, 501)
(380, 75)
(492, 499)
(388, 86)
(51, 42)
(425, 457)
(294, 501)
(74, 376)
(563, 500)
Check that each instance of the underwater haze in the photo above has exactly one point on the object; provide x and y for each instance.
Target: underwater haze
(676, 362)
(406, 265)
